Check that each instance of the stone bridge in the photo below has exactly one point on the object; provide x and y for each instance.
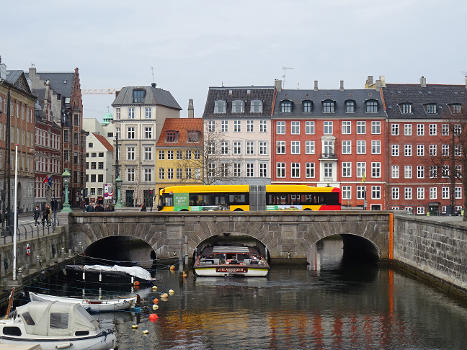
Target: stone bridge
(290, 236)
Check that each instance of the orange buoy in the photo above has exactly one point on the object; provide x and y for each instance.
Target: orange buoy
(172, 267)
(136, 283)
(155, 301)
(184, 274)
(153, 317)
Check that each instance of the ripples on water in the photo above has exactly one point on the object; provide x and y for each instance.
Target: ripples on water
(342, 307)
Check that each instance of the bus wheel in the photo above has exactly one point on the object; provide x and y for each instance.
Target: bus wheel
(238, 209)
(184, 210)
(307, 209)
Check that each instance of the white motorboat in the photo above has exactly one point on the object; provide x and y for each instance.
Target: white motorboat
(231, 261)
(55, 325)
(91, 305)
(103, 274)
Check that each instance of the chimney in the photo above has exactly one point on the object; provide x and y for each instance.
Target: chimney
(341, 86)
(278, 85)
(382, 79)
(153, 85)
(116, 93)
(316, 85)
(422, 81)
(369, 81)
(191, 110)
(2, 69)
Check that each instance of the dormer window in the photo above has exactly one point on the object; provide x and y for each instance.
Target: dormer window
(349, 106)
(455, 108)
(238, 106)
(431, 108)
(171, 136)
(256, 106)
(307, 106)
(286, 106)
(406, 108)
(219, 106)
(371, 106)
(329, 106)
(194, 136)
(138, 96)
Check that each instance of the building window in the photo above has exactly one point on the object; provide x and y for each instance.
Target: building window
(420, 130)
(361, 169)
(220, 106)
(346, 127)
(420, 193)
(237, 147)
(295, 147)
(408, 193)
(346, 192)
(211, 126)
(147, 113)
(256, 106)
(394, 129)
(170, 173)
(224, 147)
(197, 154)
(179, 173)
(329, 106)
(375, 147)
(130, 174)
(406, 108)
(237, 126)
(263, 170)
(349, 106)
(171, 136)
(407, 171)
(224, 169)
(295, 128)
(346, 147)
(395, 171)
(179, 155)
(408, 150)
(249, 126)
(237, 170)
(445, 170)
(371, 106)
(327, 128)
(131, 133)
(433, 193)
(327, 170)
(309, 147)
(433, 171)
(170, 155)
(263, 149)
(138, 96)
(432, 129)
(376, 127)
(309, 127)
(395, 193)
(188, 173)
(147, 153)
(238, 106)
(444, 192)
(375, 169)
(361, 127)
(250, 170)
(148, 133)
(224, 126)
(130, 153)
(286, 106)
(262, 126)
(161, 173)
(161, 154)
(420, 150)
(310, 170)
(408, 129)
(131, 113)
(148, 174)
(361, 192)
(295, 170)
(280, 169)
(433, 150)
(420, 172)
(250, 146)
(346, 169)
(458, 193)
(375, 192)
(420, 210)
(307, 106)
(188, 154)
(280, 127)
(455, 108)
(361, 147)
(445, 150)
(280, 147)
(100, 165)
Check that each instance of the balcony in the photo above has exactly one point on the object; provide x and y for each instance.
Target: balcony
(328, 156)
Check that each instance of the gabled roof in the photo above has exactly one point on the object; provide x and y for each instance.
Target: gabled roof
(17, 79)
(297, 97)
(442, 95)
(61, 83)
(182, 126)
(153, 96)
(246, 94)
(104, 142)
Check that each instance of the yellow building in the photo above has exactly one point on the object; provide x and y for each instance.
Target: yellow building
(179, 153)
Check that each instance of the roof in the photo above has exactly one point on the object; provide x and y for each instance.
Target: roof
(153, 96)
(17, 79)
(360, 96)
(104, 142)
(61, 83)
(244, 93)
(183, 126)
(418, 96)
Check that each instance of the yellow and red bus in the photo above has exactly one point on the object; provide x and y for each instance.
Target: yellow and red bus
(248, 198)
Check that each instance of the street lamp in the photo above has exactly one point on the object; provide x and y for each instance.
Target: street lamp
(66, 180)
(118, 183)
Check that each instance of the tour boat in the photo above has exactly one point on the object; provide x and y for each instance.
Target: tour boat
(231, 261)
(55, 325)
(91, 305)
(103, 274)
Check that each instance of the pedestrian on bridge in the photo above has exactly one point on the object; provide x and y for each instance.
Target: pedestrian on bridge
(46, 215)
(36, 214)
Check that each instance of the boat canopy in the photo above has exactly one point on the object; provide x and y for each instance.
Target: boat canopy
(135, 271)
(50, 318)
(230, 249)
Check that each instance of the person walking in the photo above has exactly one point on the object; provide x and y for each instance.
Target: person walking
(36, 214)
(45, 215)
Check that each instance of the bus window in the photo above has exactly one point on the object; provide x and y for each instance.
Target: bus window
(168, 200)
(294, 199)
(238, 198)
(283, 199)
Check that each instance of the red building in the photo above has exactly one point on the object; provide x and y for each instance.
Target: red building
(426, 152)
(331, 138)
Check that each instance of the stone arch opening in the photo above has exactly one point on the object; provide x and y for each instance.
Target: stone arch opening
(228, 238)
(123, 250)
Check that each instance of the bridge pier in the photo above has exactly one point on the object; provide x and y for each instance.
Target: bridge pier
(313, 258)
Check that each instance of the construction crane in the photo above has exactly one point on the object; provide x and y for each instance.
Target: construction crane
(98, 91)
(285, 71)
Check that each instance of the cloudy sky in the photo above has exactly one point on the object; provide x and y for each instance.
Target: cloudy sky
(194, 44)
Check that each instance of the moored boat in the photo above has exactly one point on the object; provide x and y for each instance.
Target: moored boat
(231, 260)
(55, 325)
(103, 274)
(91, 305)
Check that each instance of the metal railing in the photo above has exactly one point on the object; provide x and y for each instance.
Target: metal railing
(27, 231)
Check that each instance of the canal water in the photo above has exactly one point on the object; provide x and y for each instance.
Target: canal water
(344, 306)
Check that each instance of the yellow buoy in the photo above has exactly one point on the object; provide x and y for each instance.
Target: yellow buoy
(164, 296)
(172, 267)
(145, 331)
(155, 307)
(154, 288)
(134, 326)
(171, 292)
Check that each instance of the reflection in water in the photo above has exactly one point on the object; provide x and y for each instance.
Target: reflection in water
(345, 306)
